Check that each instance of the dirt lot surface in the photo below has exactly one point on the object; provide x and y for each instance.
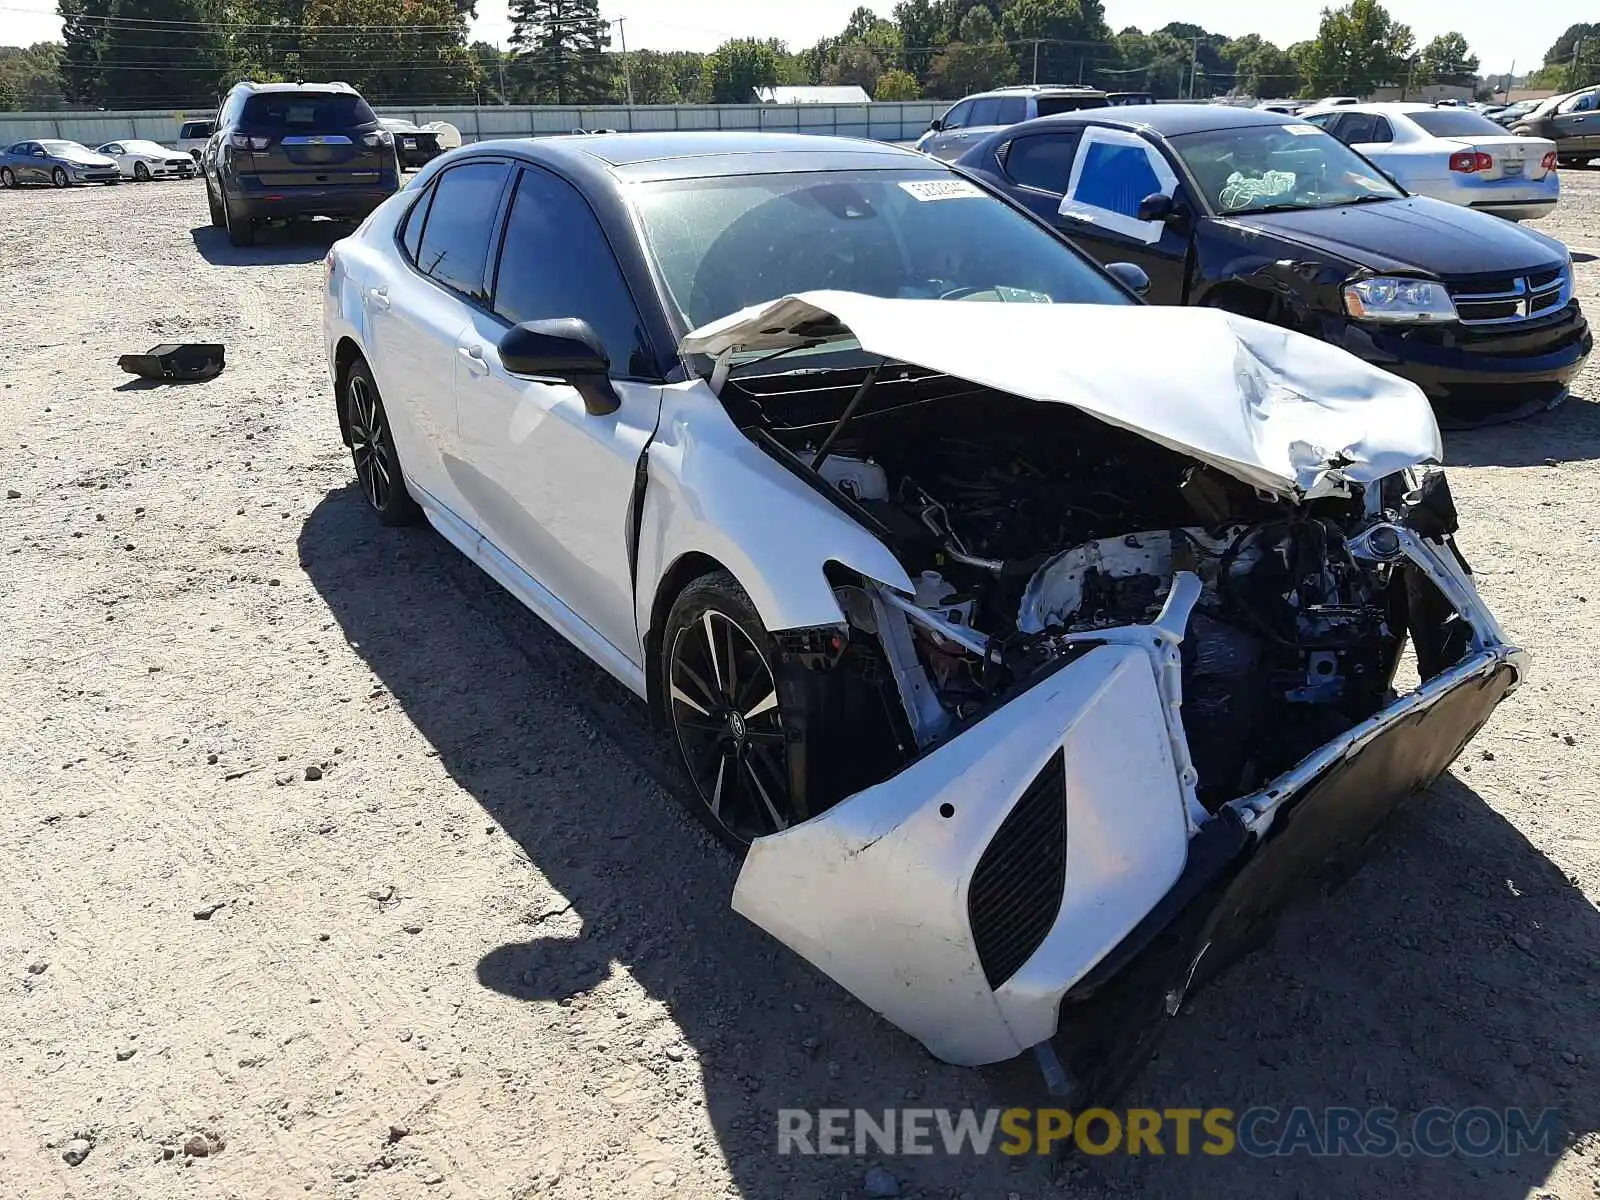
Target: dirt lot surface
(323, 856)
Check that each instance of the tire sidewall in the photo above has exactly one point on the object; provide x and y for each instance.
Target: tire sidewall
(7, 179)
(141, 173)
(400, 508)
(58, 177)
(719, 592)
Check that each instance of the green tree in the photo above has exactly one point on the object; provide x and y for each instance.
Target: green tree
(8, 96)
(392, 49)
(921, 33)
(126, 79)
(687, 68)
(654, 81)
(1357, 48)
(33, 75)
(1157, 63)
(819, 58)
(1072, 36)
(962, 69)
(558, 48)
(1447, 59)
(1259, 68)
(83, 28)
(856, 65)
(489, 66)
(737, 67)
(897, 85)
(978, 26)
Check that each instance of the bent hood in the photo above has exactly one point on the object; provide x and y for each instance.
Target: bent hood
(1279, 410)
(1414, 234)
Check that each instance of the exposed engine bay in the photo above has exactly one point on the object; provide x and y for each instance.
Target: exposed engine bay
(1030, 527)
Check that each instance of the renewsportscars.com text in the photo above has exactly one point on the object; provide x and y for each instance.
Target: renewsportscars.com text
(1260, 1132)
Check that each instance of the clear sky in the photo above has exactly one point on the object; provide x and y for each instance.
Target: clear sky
(1500, 33)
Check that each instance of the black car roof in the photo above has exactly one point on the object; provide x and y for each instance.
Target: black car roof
(1167, 120)
(692, 154)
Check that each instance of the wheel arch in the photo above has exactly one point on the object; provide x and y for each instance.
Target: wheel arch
(685, 569)
(345, 354)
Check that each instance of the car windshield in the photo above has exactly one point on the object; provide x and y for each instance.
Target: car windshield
(1456, 123)
(143, 148)
(306, 110)
(1279, 167)
(68, 150)
(726, 243)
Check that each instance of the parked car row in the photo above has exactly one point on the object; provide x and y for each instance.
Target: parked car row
(1028, 644)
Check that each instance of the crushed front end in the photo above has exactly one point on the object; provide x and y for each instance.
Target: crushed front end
(1144, 689)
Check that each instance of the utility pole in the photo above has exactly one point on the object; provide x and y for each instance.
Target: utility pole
(1509, 78)
(1194, 63)
(1035, 60)
(1572, 71)
(500, 64)
(627, 79)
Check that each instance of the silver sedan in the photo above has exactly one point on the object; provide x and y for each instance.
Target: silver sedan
(1451, 154)
(55, 162)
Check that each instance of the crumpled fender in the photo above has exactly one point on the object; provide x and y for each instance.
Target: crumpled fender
(710, 490)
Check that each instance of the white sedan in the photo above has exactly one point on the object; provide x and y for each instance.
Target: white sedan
(1026, 642)
(1452, 154)
(144, 161)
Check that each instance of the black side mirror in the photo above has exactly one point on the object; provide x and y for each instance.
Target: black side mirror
(935, 125)
(1157, 207)
(1130, 276)
(567, 349)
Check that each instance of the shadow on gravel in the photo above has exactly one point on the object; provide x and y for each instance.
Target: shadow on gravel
(276, 245)
(1458, 968)
(1571, 433)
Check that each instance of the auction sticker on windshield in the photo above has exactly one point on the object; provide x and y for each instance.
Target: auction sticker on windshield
(1301, 130)
(940, 189)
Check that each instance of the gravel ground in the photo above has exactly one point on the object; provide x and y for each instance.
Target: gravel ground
(327, 860)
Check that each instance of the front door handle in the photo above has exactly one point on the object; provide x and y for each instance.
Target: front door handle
(379, 297)
(476, 364)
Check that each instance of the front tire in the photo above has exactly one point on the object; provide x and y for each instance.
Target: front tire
(141, 173)
(59, 177)
(720, 691)
(372, 449)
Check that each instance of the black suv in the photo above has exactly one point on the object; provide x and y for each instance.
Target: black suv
(295, 150)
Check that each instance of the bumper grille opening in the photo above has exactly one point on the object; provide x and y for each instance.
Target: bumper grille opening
(1017, 886)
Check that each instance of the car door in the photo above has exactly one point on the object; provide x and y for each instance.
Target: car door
(34, 166)
(1112, 172)
(1371, 136)
(552, 484)
(951, 126)
(115, 151)
(415, 315)
(1577, 124)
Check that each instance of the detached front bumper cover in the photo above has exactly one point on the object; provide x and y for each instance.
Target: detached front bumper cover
(1158, 894)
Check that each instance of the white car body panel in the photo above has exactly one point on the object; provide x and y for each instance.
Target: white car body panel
(889, 852)
(1274, 408)
(160, 162)
(1517, 186)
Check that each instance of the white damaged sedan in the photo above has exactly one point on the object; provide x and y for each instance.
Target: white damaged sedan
(1030, 644)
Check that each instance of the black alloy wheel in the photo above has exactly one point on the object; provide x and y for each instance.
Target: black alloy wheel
(722, 698)
(141, 172)
(372, 449)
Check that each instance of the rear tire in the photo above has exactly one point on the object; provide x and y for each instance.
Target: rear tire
(240, 231)
(372, 449)
(218, 218)
(59, 177)
(7, 179)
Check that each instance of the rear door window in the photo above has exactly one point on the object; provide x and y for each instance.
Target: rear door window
(1013, 111)
(1049, 106)
(1043, 161)
(293, 112)
(455, 234)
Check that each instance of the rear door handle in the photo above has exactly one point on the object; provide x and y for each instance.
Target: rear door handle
(476, 364)
(379, 297)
